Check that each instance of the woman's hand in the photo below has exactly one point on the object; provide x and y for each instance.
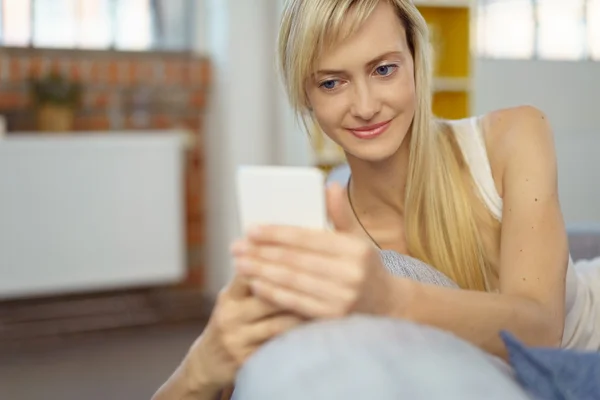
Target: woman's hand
(316, 273)
(239, 325)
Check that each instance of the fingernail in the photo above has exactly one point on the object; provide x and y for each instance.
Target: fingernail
(244, 265)
(239, 247)
(254, 231)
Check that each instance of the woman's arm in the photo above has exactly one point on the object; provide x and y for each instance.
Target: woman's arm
(187, 384)
(239, 324)
(533, 253)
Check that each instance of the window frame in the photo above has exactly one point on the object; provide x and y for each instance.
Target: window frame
(111, 44)
(484, 50)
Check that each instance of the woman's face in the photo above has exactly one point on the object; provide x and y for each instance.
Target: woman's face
(363, 91)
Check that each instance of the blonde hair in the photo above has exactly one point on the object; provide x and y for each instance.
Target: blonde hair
(441, 223)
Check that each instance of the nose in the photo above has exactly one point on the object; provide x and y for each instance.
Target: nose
(365, 104)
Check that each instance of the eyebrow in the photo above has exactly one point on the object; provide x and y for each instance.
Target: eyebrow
(369, 64)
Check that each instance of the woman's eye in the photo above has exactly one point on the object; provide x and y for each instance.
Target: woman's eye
(385, 70)
(329, 85)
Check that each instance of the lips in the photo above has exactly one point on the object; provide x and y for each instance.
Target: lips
(371, 131)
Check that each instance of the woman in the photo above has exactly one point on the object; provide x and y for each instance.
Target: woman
(476, 198)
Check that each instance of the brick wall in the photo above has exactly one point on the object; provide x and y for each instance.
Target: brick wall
(123, 90)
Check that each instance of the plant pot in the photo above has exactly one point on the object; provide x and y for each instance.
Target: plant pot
(54, 118)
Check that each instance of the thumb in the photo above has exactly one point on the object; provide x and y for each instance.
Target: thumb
(340, 211)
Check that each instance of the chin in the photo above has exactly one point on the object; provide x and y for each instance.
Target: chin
(373, 152)
(373, 157)
(376, 150)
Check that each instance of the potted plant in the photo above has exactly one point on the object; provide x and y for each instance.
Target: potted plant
(55, 100)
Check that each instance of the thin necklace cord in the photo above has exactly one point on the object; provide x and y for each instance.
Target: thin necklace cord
(356, 215)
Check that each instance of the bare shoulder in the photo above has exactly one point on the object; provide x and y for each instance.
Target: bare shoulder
(509, 129)
(517, 135)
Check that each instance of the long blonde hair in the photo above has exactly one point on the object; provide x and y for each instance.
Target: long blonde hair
(441, 224)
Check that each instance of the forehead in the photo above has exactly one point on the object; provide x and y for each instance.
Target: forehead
(382, 32)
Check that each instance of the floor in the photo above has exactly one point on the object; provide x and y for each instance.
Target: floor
(125, 365)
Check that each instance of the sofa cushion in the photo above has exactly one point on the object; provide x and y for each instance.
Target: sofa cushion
(584, 240)
(554, 374)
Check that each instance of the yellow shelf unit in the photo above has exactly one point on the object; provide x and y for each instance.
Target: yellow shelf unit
(450, 29)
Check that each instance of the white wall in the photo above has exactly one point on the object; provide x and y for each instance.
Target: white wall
(567, 92)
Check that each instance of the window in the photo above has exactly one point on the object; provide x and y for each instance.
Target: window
(131, 31)
(540, 29)
(88, 24)
(593, 28)
(94, 31)
(16, 22)
(561, 29)
(507, 31)
(54, 23)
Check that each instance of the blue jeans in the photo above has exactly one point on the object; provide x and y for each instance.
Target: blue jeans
(373, 358)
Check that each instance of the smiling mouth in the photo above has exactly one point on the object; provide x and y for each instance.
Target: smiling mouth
(371, 131)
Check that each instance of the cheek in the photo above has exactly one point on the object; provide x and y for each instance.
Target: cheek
(411, 88)
(329, 111)
(403, 92)
(408, 98)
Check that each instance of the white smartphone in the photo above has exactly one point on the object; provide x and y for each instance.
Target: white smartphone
(281, 196)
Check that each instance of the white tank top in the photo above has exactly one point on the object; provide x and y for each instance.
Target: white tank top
(582, 323)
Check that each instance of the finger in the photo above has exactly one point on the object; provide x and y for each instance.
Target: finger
(323, 287)
(289, 299)
(269, 328)
(239, 247)
(317, 264)
(319, 241)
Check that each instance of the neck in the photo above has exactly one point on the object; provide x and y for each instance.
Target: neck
(379, 187)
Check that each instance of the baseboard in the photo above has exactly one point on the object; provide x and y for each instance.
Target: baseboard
(52, 320)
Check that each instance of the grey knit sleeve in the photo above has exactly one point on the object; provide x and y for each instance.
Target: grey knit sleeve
(408, 267)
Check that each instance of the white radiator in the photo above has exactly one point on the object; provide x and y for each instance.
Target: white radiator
(90, 212)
